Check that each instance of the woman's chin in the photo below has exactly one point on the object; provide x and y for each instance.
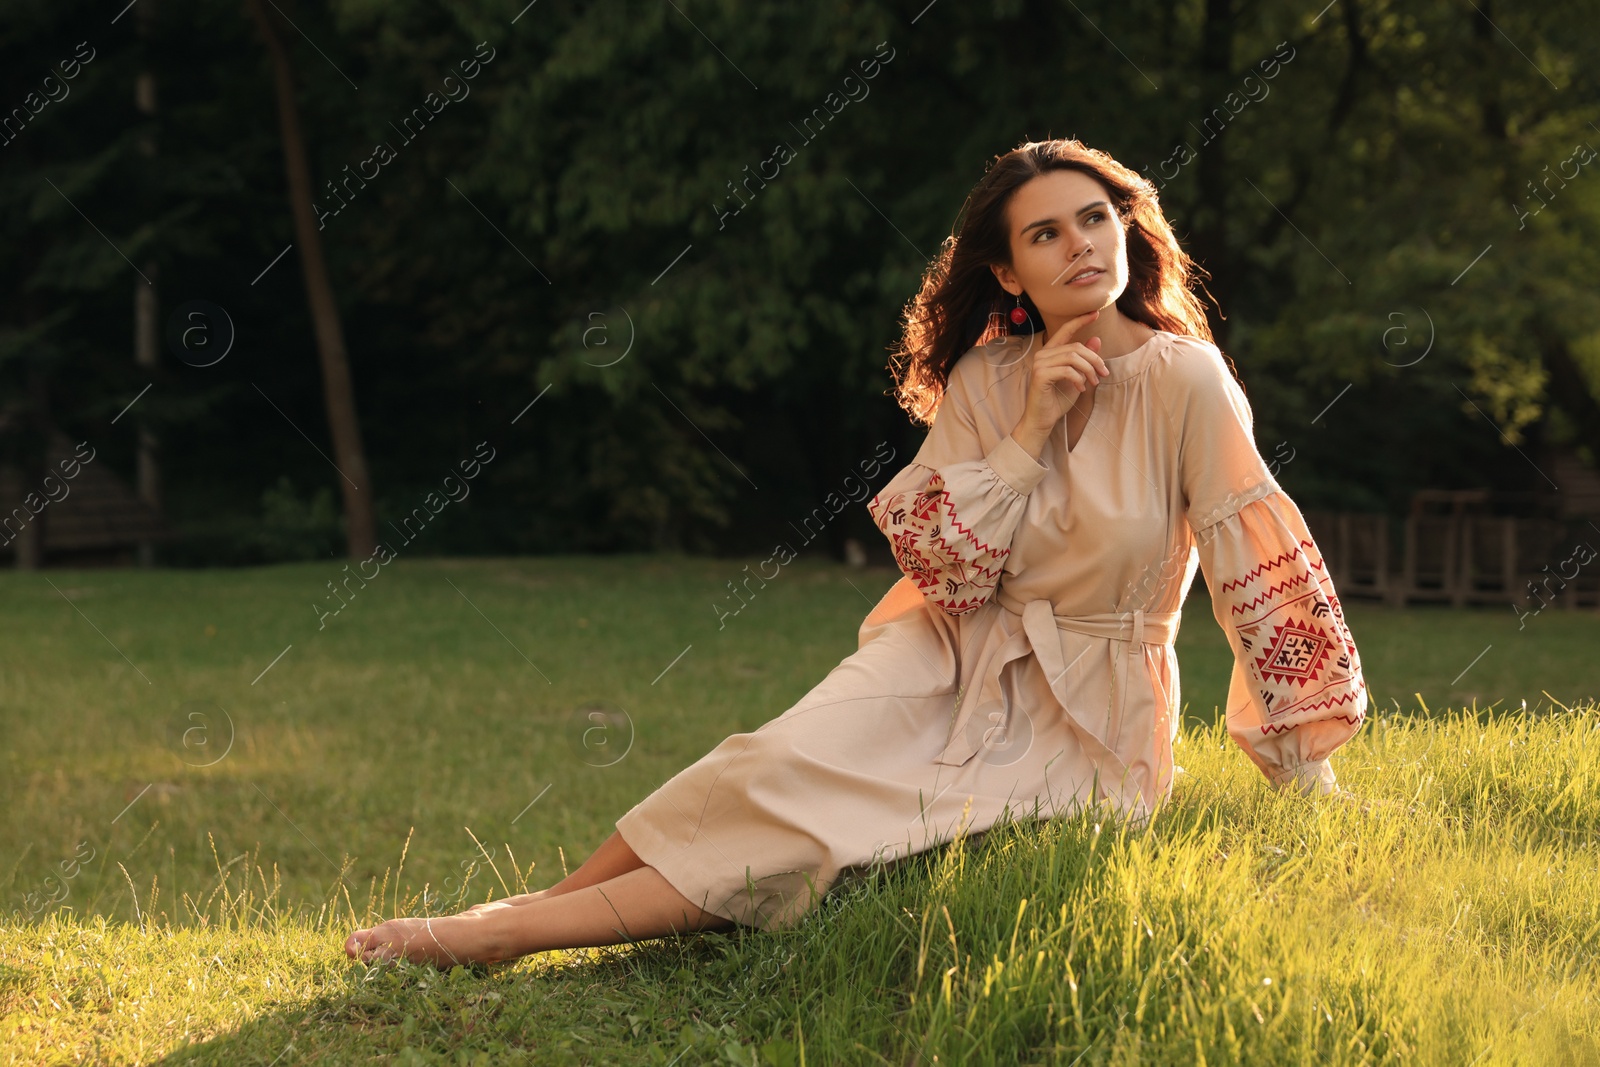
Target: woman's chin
(1086, 303)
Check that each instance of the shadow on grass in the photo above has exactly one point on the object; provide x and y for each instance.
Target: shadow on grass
(1262, 926)
(737, 996)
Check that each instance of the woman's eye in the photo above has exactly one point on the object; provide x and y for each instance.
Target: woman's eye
(1094, 215)
(1041, 233)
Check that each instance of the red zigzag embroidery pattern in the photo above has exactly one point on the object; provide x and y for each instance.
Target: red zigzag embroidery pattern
(961, 575)
(1296, 664)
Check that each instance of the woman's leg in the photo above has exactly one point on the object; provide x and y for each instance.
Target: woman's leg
(634, 906)
(611, 859)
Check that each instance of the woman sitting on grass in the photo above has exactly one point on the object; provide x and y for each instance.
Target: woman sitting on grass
(1089, 449)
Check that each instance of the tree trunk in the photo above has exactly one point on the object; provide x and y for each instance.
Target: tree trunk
(30, 544)
(360, 525)
(145, 314)
(146, 304)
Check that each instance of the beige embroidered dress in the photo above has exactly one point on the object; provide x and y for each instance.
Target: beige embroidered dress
(1026, 657)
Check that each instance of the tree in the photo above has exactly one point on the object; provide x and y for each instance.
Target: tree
(350, 456)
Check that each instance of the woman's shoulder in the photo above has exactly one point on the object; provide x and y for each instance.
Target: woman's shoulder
(989, 381)
(1197, 386)
(984, 366)
(1187, 355)
(1187, 364)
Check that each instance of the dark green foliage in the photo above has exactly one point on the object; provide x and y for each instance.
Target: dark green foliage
(579, 198)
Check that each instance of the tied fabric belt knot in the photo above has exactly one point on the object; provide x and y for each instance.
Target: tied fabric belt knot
(1137, 627)
(1040, 634)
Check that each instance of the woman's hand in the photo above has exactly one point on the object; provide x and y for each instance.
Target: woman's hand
(1060, 362)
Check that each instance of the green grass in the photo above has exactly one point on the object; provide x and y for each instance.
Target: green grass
(1452, 918)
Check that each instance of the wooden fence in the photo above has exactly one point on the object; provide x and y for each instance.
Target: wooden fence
(1461, 559)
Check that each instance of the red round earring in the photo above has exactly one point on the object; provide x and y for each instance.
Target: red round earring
(1019, 314)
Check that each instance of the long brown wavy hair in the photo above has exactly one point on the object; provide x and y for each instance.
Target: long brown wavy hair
(951, 312)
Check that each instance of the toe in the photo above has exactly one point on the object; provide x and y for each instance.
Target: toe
(356, 943)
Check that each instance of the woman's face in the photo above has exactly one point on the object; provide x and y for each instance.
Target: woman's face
(1068, 250)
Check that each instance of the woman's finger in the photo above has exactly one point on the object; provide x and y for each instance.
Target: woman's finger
(1068, 376)
(1070, 327)
(1093, 347)
(1085, 354)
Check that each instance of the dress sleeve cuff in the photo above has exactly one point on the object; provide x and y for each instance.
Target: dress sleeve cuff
(1011, 462)
(1312, 778)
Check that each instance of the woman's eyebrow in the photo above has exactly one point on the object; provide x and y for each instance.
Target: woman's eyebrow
(1052, 222)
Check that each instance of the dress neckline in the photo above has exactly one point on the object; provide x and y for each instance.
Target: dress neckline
(1128, 365)
(1121, 368)
(1135, 360)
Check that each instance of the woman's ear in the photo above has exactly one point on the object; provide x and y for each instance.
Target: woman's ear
(1008, 281)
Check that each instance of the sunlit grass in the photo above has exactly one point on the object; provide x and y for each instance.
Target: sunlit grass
(1449, 914)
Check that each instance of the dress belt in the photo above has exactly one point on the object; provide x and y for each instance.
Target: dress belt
(1039, 634)
(1137, 627)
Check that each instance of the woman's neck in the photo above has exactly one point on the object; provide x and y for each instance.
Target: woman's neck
(1118, 334)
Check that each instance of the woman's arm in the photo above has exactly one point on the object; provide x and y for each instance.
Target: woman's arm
(1297, 691)
(951, 513)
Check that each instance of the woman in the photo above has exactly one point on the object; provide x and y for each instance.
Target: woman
(1049, 529)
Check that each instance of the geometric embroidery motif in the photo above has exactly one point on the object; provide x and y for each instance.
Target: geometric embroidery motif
(951, 566)
(1296, 653)
(1307, 662)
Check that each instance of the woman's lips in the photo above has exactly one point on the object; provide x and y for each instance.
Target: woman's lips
(1086, 279)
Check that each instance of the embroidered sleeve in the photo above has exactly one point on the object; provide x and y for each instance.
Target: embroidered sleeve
(1297, 692)
(951, 513)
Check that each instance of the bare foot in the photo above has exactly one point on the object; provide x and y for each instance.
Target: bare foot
(443, 941)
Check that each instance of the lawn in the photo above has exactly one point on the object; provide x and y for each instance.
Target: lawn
(209, 781)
